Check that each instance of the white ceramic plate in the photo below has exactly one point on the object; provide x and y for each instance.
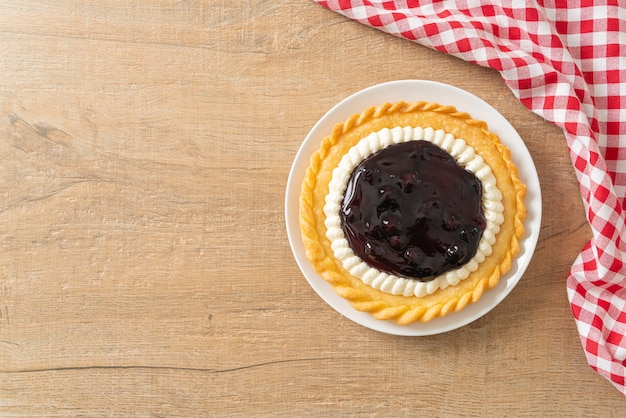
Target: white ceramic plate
(417, 90)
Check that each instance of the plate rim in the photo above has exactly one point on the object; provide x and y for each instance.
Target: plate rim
(415, 90)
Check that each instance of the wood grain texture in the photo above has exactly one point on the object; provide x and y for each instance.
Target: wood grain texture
(145, 269)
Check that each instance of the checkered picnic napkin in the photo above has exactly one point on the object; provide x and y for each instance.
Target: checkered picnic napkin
(566, 61)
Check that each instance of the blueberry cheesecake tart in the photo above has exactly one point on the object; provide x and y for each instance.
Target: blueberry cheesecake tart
(411, 210)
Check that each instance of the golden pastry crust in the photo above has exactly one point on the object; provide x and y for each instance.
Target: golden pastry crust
(402, 309)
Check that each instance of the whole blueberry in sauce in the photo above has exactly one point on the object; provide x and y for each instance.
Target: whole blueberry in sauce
(412, 211)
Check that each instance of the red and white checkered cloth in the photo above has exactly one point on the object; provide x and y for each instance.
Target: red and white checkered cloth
(566, 61)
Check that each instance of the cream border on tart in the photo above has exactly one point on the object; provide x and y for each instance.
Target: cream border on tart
(464, 155)
(400, 308)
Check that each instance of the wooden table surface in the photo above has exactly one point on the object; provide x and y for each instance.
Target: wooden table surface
(145, 268)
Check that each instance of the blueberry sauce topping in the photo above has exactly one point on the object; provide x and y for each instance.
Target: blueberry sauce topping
(412, 211)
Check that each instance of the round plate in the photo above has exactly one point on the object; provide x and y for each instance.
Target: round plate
(412, 91)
